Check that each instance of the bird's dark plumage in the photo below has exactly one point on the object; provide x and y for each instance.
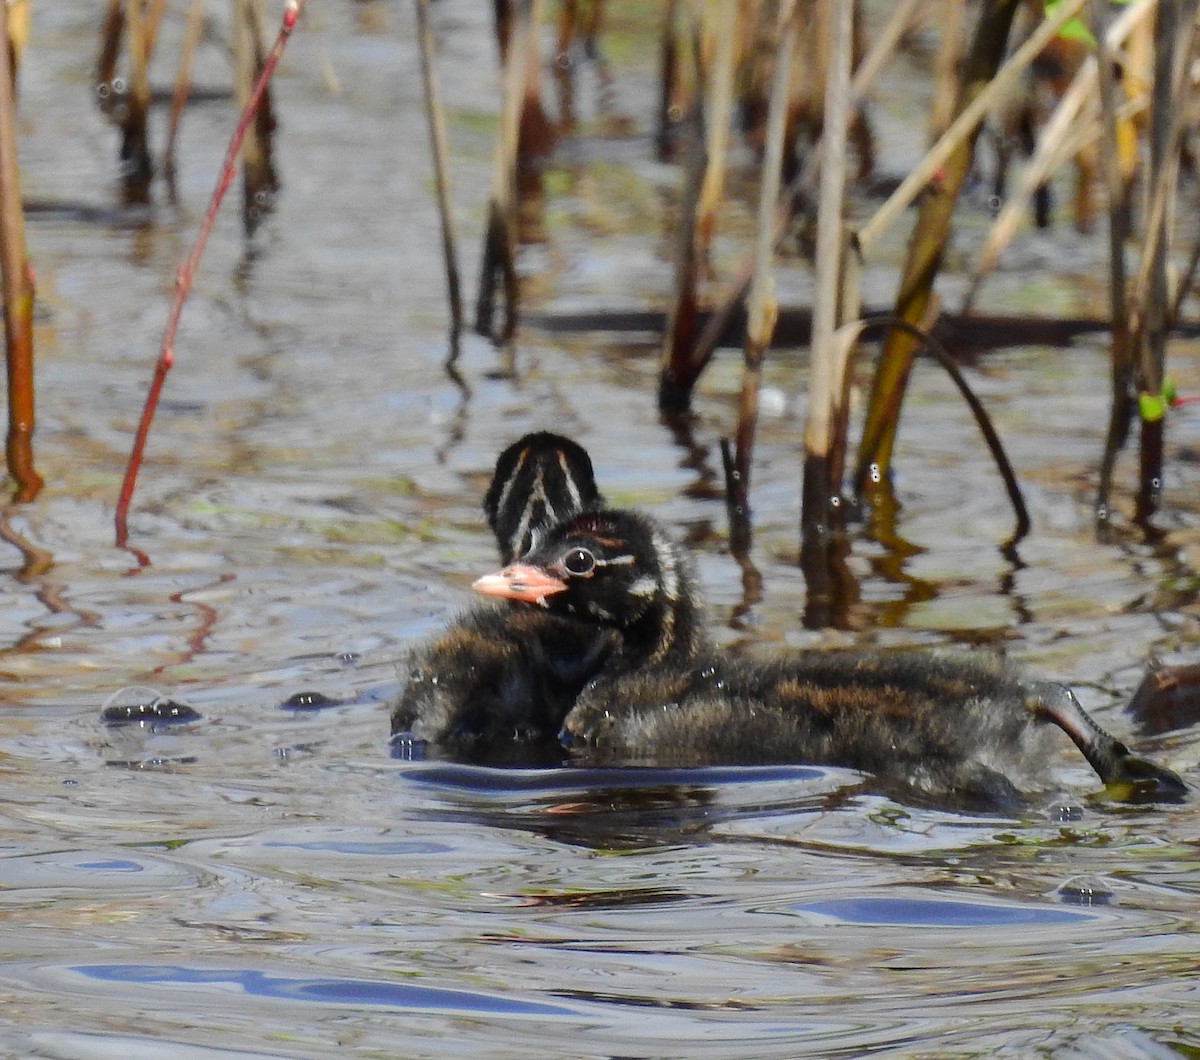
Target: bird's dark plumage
(541, 479)
(497, 684)
(947, 724)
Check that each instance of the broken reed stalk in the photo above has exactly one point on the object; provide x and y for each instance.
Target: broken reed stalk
(18, 291)
(825, 383)
(718, 112)
(259, 179)
(437, 140)
(669, 91)
(704, 178)
(762, 307)
(536, 137)
(18, 34)
(183, 81)
(498, 267)
(931, 233)
(136, 165)
(187, 271)
(674, 393)
(111, 31)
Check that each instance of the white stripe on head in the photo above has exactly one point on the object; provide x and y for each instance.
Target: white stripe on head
(511, 481)
(572, 489)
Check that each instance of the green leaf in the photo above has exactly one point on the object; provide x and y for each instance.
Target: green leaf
(1151, 407)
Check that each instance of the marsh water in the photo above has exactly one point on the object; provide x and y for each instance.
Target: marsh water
(265, 880)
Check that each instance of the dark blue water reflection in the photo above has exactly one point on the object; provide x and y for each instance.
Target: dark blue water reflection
(921, 912)
(322, 991)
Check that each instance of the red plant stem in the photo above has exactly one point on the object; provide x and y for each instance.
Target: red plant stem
(187, 271)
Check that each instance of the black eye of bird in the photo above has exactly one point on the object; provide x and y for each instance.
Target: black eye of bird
(579, 562)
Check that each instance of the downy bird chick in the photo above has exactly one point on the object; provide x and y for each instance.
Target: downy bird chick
(967, 726)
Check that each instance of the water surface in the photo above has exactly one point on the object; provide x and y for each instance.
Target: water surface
(264, 880)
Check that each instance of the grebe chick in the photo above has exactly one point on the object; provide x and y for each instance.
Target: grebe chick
(957, 725)
(497, 684)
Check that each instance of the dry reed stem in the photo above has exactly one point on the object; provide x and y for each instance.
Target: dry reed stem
(717, 118)
(915, 299)
(1118, 229)
(135, 142)
(1151, 297)
(18, 292)
(1163, 188)
(111, 30)
(187, 271)
(702, 351)
(762, 307)
(438, 141)
(500, 240)
(823, 381)
(154, 14)
(183, 79)
(964, 126)
(668, 80)
(259, 180)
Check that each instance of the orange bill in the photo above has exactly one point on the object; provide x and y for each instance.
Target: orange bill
(520, 581)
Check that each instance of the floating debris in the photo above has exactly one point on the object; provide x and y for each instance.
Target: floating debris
(309, 701)
(150, 713)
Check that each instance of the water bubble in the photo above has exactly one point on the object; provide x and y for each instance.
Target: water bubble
(994, 204)
(309, 701)
(150, 713)
(875, 473)
(1065, 812)
(407, 747)
(1085, 890)
(118, 85)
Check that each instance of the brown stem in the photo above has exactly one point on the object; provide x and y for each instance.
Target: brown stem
(259, 179)
(1152, 341)
(1123, 401)
(929, 240)
(498, 266)
(762, 307)
(112, 30)
(183, 81)
(187, 271)
(18, 292)
(674, 390)
(136, 165)
(437, 138)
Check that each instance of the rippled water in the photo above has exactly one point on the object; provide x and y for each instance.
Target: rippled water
(264, 880)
